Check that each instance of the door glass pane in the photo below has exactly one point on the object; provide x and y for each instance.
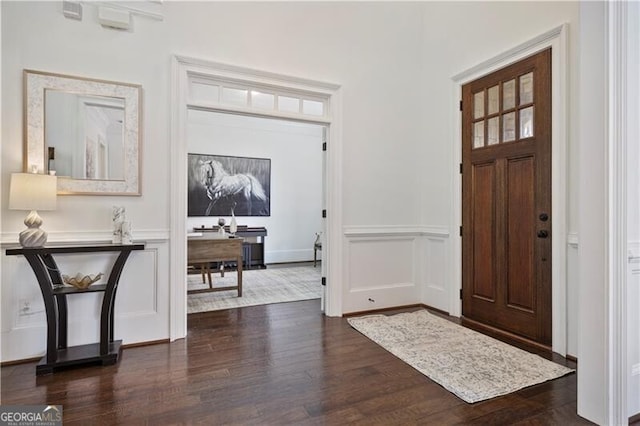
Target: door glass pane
(526, 89)
(478, 105)
(478, 134)
(509, 94)
(509, 127)
(526, 123)
(494, 99)
(493, 130)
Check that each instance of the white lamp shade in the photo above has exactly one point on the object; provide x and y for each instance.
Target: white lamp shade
(32, 191)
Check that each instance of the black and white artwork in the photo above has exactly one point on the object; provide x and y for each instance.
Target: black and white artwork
(220, 184)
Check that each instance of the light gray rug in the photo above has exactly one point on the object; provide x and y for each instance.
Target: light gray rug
(259, 287)
(473, 366)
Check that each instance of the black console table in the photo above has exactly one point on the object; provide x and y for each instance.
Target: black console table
(252, 252)
(54, 293)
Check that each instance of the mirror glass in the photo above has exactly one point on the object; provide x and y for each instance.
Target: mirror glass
(84, 135)
(85, 130)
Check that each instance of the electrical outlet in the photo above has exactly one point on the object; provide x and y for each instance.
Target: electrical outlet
(635, 370)
(25, 307)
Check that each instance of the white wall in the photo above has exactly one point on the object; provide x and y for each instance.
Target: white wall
(592, 383)
(295, 151)
(372, 50)
(394, 62)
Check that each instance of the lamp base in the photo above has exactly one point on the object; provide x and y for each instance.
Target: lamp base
(33, 236)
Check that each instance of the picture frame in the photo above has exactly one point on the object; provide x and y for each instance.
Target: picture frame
(221, 185)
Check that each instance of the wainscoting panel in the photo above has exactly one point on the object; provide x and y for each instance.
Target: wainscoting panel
(141, 309)
(573, 294)
(381, 272)
(388, 266)
(633, 327)
(436, 291)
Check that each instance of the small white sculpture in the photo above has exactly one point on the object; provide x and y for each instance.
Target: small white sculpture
(125, 228)
(117, 217)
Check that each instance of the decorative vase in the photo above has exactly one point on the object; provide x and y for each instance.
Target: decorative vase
(221, 223)
(80, 281)
(233, 225)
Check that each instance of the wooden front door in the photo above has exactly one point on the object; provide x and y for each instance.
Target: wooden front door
(506, 189)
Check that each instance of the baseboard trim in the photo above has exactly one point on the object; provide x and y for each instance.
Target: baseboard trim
(19, 361)
(496, 332)
(148, 343)
(571, 358)
(395, 308)
(127, 346)
(381, 310)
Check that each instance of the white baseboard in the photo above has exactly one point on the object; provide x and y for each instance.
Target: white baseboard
(285, 256)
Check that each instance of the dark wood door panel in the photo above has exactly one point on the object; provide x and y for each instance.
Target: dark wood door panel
(506, 186)
(484, 184)
(520, 205)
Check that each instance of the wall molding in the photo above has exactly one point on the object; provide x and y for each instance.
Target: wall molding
(394, 230)
(519, 51)
(97, 236)
(616, 195)
(183, 70)
(428, 261)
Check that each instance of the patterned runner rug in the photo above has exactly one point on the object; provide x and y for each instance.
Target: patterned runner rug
(473, 366)
(259, 287)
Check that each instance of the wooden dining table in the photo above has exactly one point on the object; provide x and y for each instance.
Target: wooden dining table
(204, 249)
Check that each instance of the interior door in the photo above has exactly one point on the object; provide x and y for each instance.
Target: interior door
(506, 187)
(323, 239)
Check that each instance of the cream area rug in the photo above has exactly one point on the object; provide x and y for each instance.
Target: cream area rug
(473, 366)
(259, 287)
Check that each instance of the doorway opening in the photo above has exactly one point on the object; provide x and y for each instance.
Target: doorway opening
(278, 217)
(215, 87)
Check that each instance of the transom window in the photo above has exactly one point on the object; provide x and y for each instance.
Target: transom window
(245, 96)
(504, 113)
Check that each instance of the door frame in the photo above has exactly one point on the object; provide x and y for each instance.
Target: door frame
(183, 68)
(555, 38)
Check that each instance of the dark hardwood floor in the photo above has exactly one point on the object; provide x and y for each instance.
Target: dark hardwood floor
(268, 365)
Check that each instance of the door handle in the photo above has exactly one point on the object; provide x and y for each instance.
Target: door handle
(543, 233)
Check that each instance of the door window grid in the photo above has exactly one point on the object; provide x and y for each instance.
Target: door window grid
(507, 108)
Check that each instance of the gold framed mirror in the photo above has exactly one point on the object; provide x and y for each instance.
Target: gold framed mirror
(87, 131)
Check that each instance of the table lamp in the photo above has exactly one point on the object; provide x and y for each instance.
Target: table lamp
(32, 191)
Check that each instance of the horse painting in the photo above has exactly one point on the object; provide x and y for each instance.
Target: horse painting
(226, 191)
